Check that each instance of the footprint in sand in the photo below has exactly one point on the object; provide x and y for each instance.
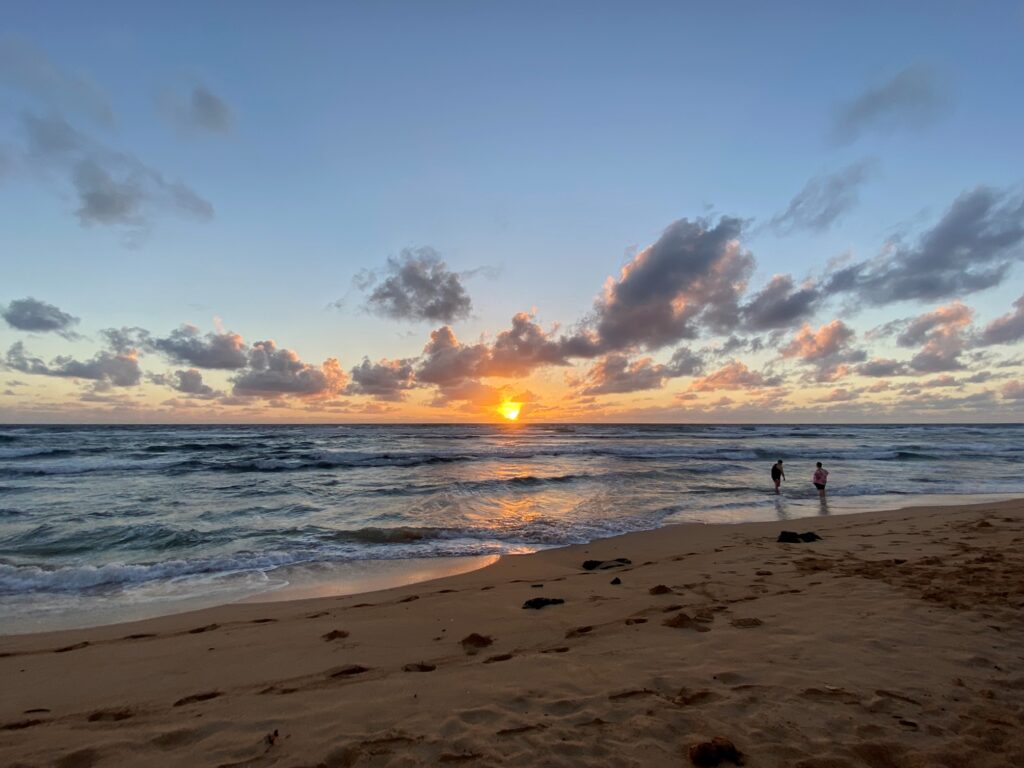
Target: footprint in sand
(578, 632)
(19, 725)
(263, 621)
(499, 657)
(334, 634)
(636, 621)
(139, 636)
(197, 697)
(521, 729)
(207, 628)
(110, 715)
(74, 647)
(560, 649)
(317, 615)
(685, 621)
(746, 623)
(409, 599)
(419, 667)
(472, 643)
(349, 671)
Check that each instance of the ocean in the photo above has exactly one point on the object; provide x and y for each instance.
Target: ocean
(108, 523)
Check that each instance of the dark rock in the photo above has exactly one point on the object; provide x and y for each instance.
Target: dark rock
(792, 537)
(715, 752)
(616, 580)
(590, 565)
(540, 602)
(660, 589)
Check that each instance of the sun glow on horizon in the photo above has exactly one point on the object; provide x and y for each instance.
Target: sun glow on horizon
(510, 410)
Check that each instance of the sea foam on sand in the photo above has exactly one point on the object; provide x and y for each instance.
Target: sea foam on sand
(894, 641)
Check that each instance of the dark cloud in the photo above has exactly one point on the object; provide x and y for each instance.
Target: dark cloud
(384, 380)
(823, 200)
(828, 349)
(36, 316)
(1013, 390)
(912, 99)
(684, 362)
(522, 348)
(113, 188)
(447, 361)
(188, 382)
(1006, 329)
(187, 344)
(616, 374)
(882, 367)
(971, 248)
(30, 70)
(118, 369)
(272, 372)
(417, 286)
(941, 335)
(690, 279)
(780, 304)
(125, 339)
(206, 111)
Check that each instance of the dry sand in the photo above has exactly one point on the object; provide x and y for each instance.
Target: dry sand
(896, 641)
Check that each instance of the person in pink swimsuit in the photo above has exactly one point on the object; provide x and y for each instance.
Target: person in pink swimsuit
(820, 479)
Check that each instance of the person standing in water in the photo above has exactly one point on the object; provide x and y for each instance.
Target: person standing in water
(778, 475)
(820, 479)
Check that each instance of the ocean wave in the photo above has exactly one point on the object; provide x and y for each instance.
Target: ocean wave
(49, 540)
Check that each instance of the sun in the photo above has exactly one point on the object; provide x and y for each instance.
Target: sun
(510, 409)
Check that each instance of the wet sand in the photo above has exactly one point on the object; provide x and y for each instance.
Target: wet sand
(896, 641)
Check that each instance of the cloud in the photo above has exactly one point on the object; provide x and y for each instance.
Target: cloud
(882, 367)
(113, 188)
(418, 286)
(225, 350)
(971, 248)
(118, 369)
(446, 360)
(188, 382)
(733, 375)
(828, 349)
(911, 100)
(690, 279)
(616, 374)
(272, 372)
(1006, 329)
(838, 395)
(522, 348)
(30, 70)
(36, 316)
(824, 200)
(201, 110)
(941, 332)
(684, 362)
(1012, 390)
(780, 304)
(383, 380)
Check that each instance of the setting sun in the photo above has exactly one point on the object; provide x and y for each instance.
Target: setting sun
(510, 410)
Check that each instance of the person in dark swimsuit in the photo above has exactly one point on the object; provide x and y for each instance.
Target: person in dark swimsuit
(777, 474)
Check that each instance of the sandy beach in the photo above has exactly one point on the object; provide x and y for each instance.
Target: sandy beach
(893, 642)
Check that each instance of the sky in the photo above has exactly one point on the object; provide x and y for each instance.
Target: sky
(462, 211)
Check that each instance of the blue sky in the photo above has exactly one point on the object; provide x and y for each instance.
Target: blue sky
(549, 142)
